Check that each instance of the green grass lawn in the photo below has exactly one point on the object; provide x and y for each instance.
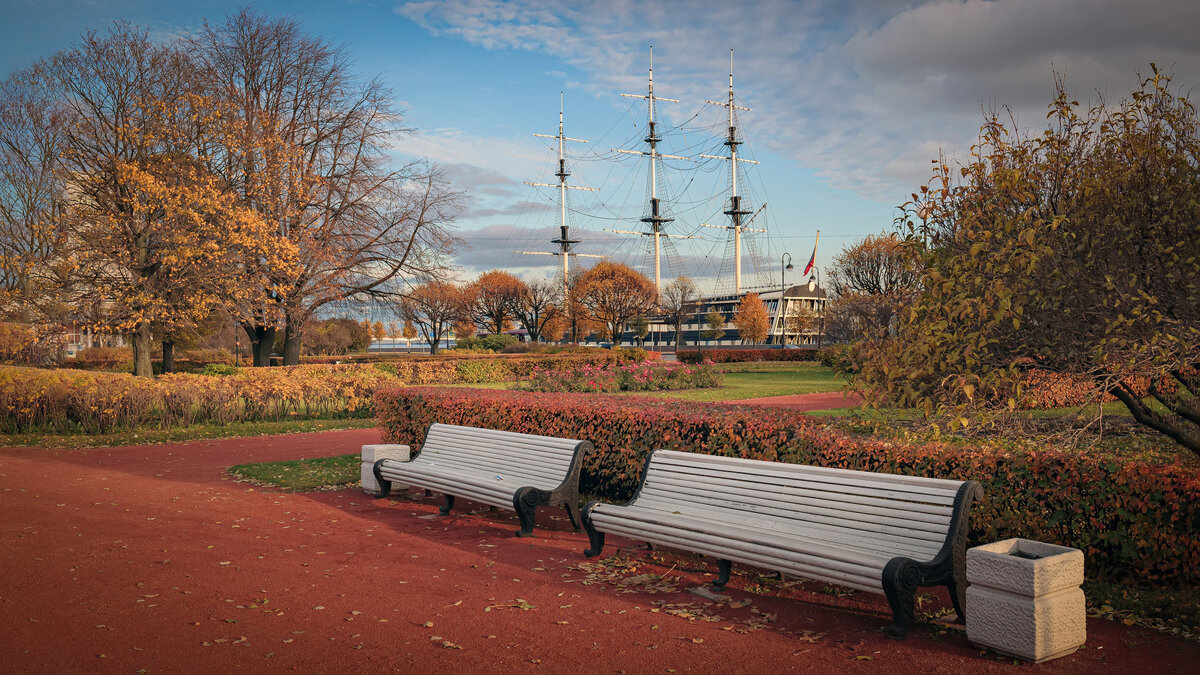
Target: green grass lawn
(179, 434)
(744, 380)
(322, 473)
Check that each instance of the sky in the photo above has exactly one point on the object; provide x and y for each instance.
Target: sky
(849, 104)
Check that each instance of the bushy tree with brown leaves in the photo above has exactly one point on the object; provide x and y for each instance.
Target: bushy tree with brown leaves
(872, 280)
(611, 294)
(1076, 250)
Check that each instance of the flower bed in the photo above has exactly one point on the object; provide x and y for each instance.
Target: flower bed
(1132, 519)
(744, 355)
(646, 376)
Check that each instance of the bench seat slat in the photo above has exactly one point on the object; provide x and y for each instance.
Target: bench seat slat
(890, 489)
(479, 463)
(800, 517)
(722, 484)
(884, 544)
(813, 567)
(553, 452)
(760, 467)
(546, 460)
(799, 502)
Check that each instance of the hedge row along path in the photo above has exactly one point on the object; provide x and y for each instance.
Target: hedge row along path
(152, 558)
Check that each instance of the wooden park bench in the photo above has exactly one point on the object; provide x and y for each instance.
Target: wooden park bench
(874, 532)
(497, 468)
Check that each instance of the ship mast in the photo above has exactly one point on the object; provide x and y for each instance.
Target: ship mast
(655, 220)
(735, 210)
(564, 241)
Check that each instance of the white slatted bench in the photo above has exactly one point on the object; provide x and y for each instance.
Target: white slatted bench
(497, 468)
(874, 532)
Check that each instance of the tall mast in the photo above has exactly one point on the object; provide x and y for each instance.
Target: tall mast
(735, 210)
(655, 220)
(564, 241)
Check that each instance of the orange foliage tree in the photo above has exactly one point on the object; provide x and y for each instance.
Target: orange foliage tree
(751, 319)
(491, 300)
(310, 150)
(161, 239)
(612, 294)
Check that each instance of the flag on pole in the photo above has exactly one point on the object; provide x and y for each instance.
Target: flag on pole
(812, 262)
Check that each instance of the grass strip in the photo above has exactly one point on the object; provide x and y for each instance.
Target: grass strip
(151, 435)
(301, 475)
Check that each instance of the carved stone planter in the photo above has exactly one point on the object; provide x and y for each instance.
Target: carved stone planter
(1024, 599)
(374, 453)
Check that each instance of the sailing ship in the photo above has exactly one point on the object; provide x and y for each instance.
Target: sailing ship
(661, 228)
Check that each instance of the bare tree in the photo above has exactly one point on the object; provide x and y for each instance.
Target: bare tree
(308, 147)
(536, 305)
(677, 303)
(433, 307)
(34, 269)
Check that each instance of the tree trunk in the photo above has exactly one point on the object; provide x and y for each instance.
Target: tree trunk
(141, 351)
(293, 332)
(262, 342)
(168, 353)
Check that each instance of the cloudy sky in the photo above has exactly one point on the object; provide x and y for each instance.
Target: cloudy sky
(850, 100)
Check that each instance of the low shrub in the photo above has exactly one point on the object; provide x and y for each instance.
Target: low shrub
(841, 357)
(203, 357)
(46, 400)
(746, 355)
(105, 358)
(645, 376)
(487, 343)
(1132, 519)
(219, 369)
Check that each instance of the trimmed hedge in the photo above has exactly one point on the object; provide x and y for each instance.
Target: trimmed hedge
(1132, 519)
(745, 355)
(466, 369)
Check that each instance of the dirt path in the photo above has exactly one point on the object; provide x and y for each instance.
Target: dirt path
(805, 402)
(150, 559)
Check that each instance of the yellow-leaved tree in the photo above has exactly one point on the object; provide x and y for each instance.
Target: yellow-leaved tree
(751, 319)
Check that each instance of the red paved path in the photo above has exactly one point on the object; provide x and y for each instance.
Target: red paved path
(805, 402)
(123, 559)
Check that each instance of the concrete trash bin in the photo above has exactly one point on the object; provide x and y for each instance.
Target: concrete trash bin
(374, 453)
(1024, 599)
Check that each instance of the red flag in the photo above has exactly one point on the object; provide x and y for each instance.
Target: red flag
(812, 262)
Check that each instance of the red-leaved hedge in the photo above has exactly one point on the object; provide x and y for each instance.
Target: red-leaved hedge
(1131, 519)
(744, 355)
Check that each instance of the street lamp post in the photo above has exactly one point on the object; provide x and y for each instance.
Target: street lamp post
(780, 315)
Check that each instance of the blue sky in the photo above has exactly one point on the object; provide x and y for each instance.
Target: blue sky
(850, 101)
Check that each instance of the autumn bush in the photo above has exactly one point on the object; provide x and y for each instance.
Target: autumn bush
(105, 358)
(18, 344)
(63, 400)
(1133, 519)
(746, 355)
(646, 376)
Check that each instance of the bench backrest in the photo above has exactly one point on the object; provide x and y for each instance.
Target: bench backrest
(544, 460)
(884, 512)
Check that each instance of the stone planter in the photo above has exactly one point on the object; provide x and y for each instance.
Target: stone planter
(374, 453)
(1024, 599)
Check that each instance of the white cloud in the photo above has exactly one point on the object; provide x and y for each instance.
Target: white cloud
(865, 93)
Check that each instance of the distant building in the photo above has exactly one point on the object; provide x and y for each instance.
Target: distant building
(795, 300)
